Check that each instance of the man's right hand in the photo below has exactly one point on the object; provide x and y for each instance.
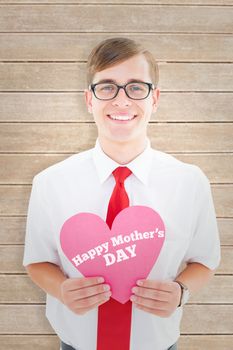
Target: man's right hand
(78, 294)
(81, 295)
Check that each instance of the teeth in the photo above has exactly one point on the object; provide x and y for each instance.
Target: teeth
(121, 117)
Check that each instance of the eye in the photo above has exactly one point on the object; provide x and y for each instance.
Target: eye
(136, 87)
(106, 88)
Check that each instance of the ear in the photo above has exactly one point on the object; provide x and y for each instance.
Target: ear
(155, 95)
(88, 100)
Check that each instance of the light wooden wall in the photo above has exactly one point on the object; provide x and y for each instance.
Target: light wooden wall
(43, 119)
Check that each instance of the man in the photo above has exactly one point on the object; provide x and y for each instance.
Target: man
(122, 94)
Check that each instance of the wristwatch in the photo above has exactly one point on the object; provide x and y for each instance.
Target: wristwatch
(184, 293)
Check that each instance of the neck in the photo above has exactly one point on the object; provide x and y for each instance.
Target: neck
(122, 152)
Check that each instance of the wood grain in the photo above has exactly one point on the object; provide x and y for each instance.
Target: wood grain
(20, 289)
(149, 2)
(76, 47)
(30, 319)
(13, 230)
(43, 119)
(68, 77)
(14, 200)
(74, 137)
(203, 342)
(29, 342)
(51, 342)
(218, 291)
(81, 18)
(71, 107)
(12, 258)
(21, 168)
(20, 319)
(212, 319)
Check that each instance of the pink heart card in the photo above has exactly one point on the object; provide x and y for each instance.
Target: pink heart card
(121, 255)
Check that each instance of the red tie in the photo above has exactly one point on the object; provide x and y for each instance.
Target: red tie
(114, 318)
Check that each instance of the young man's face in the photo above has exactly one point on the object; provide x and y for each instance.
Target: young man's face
(139, 111)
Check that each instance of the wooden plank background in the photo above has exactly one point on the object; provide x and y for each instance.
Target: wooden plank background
(43, 50)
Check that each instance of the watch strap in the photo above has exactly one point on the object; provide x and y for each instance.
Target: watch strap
(183, 287)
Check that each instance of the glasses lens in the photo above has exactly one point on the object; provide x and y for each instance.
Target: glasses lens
(137, 91)
(105, 91)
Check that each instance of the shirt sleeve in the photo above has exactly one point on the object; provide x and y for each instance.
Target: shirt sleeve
(40, 245)
(204, 247)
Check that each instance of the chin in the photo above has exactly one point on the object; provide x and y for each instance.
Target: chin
(122, 138)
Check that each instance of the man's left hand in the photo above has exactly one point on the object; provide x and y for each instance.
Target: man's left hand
(160, 298)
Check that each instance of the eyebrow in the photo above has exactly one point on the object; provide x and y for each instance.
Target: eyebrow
(114, 81)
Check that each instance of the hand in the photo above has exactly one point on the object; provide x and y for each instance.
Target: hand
(83, 294)
(160, 298)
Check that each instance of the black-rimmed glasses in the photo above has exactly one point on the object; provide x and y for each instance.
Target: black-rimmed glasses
(135, 90)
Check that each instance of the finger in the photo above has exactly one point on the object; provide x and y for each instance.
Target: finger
(78, 283)
(157, 312)
(150, 293)
(84, 310)
(103, 301)
(90, 291)
(91, 301)
(166, 286)
(150, 303)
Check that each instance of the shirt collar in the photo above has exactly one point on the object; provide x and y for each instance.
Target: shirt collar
(140, 166)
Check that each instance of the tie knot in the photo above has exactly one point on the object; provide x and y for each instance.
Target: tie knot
(121, 173)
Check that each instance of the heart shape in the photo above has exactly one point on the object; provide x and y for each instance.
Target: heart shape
(121, 255)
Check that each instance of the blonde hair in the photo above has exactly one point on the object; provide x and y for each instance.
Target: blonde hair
(116, 50)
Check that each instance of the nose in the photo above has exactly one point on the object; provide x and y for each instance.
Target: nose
(121, 100)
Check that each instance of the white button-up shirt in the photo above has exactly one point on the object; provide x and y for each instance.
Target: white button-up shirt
(179, 192)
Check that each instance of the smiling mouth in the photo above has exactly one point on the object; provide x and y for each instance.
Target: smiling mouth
(121, 117)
